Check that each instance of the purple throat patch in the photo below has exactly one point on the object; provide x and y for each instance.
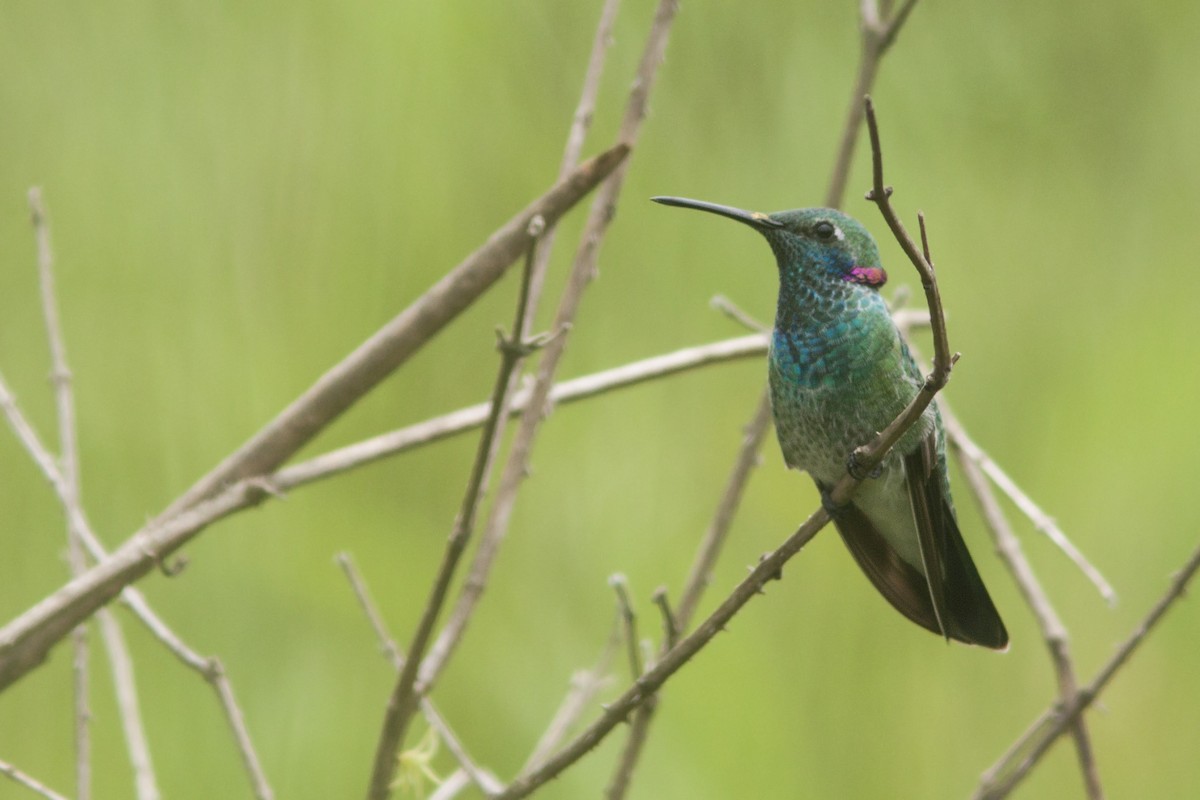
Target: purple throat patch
(871, 276)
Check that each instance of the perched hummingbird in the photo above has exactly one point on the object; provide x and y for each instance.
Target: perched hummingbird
(840, 372)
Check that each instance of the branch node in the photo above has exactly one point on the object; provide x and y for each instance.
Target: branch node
(537, 226)
(777, 575)
(670, 628)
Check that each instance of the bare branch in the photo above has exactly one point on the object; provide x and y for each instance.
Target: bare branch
(879, 31)
(484, 779)
(730, 309)
(696, 582)
(391, 346)
(12, 651)
(870, 455)
(625, 611)
(68, 464)
(1042, 522)
(670, 629)
(1008, 546)
(583, 270)
(34, 785)
(586, 684)
(670, 663)
(406, 694)
(581, 123)
(26, 640)
(1003, 776)
(700, 574)
(386, 643)
(127, 701)
(631, 753)
(433, 430)
(1054, 633)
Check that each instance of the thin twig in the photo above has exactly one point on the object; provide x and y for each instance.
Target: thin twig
(417, 435)
(879, 31)
(635, 742)
(730, 309)
(585, 685)
(127, 701)
(406, 694)
(700, 574)
(100, 582)
(583, 270)
(68, 464)
(26, 640)
(29, 782)
(581, 123)
(487, 782)
(698, 579)
(620, 585)
(1008, 546)
(359, 586)
(395, 342)
(452, 787)
(670, 629)
(1003, 776)
(1054, 633)
(1042, 522)
(650, 682)
(871, 455)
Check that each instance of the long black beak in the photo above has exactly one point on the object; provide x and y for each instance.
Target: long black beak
(755, 219)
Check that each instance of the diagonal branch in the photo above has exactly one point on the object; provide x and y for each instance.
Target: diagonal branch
(395, 342)
(432, 430)
(1054, 632)
(237, 482)
(29, 782)
(1003, 776)
(879, 32)
(209, 669)
(583, 270)
(482, 778)
(406, 694)
(1042, 522)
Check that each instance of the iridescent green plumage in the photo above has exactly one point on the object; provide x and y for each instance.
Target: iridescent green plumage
(840, 372)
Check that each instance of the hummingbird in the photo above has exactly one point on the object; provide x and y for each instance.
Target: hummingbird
(839, 372)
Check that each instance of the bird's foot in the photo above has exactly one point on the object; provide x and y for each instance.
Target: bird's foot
(855, 468)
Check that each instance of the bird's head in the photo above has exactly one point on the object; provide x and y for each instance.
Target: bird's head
(817, 241)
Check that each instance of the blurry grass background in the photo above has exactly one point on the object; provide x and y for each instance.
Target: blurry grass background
(240, 193)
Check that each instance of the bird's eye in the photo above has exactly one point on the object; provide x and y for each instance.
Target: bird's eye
(824, 229)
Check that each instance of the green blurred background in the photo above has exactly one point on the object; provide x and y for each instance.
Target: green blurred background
(241, 192)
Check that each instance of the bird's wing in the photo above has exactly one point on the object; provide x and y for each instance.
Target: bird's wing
(956, 592)
(918, 470)
(952, 602)
(899, 582)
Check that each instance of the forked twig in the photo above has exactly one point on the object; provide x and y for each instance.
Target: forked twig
(1003, 776)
